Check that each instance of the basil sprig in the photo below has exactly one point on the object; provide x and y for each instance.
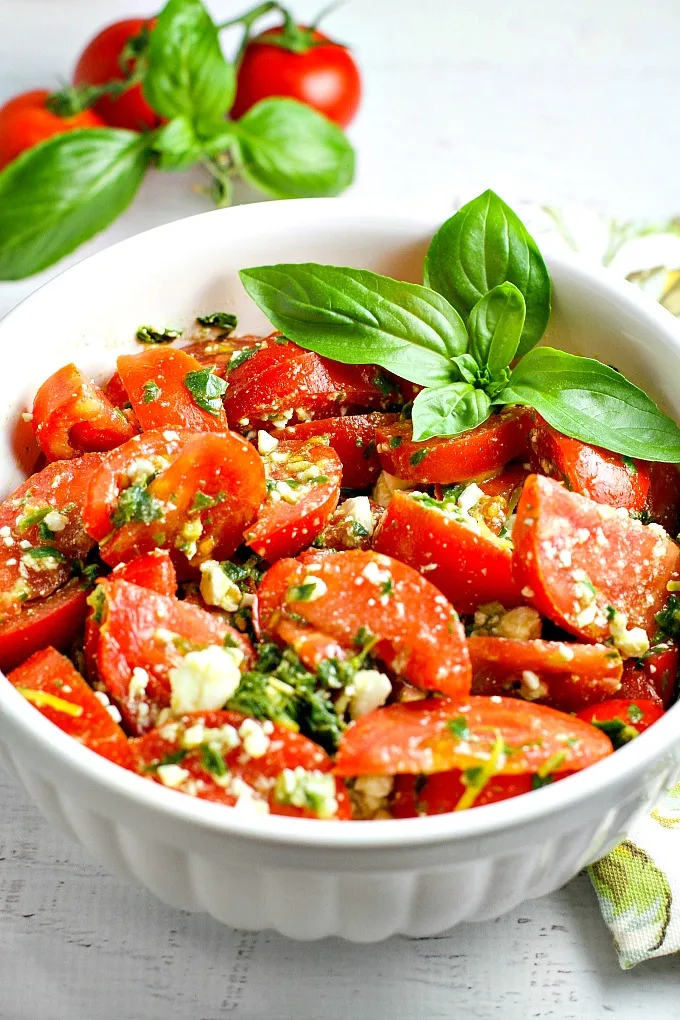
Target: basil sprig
(485, 265)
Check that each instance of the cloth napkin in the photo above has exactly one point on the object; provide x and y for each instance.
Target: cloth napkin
(638, 883)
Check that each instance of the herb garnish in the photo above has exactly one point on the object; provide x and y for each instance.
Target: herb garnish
(150, 391)
(206, 389)
(224, 320)
(136, 504)
(149, 335)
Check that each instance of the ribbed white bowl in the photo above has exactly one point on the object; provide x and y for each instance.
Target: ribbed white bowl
(308, 879)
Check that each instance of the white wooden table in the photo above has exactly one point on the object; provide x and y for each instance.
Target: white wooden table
(542, 100)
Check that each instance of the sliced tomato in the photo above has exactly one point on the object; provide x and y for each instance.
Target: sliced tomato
(35, 559)
(599, 474)
(72, 416)
(663, 499)
(303, 488)
(55, 620)
(478, 453)
(469, 566)
(352, 525)
(419, 634)
(281, 382)
(50, 682)
(140, 628)
(438, 794)
(212, 766)
(563, 675)
(622, 719)
(217, 350)
(440, 734)
(154, 570)
(207, 490)
(654, 677)
(353, 439)
(157, 382)
(116, 392)
(574, 559)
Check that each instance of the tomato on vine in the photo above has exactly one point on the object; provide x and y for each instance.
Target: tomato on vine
(27, 120)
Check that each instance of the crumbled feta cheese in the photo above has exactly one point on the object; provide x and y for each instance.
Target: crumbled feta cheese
(469, 497)
(5, 531)
(55, 521)
(370, 797)
(314, 588)
(531, 687)
(522, 623)
(265, 442)
(368, 690)
(205, 680)
(187, 540)
(255, 740)
(358, 509)
(528, 592)
(172, 775)
(246, 797)
(114, 712)
(374, 574)
(138, 683)
(386, 486)
(631, 643)
(217, 589)
(308, 789)
(171, 437)
(193, 736)
(26, 416)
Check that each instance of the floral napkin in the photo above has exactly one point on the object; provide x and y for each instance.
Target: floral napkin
(638, 883)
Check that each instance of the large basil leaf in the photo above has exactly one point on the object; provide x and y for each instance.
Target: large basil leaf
(495, 327)
(290, 151)
(187, 74)
(62, 192)
(449, 410)
(360, 318)
(485, 244)
(590, 401)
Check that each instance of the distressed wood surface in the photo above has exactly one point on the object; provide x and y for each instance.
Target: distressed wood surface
(558, 103)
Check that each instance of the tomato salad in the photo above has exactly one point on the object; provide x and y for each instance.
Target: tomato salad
(242, 573)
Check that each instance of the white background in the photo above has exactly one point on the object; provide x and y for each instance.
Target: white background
(555, 101)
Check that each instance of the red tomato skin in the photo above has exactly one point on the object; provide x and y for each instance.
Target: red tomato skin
(174, 407)
(425, 642)
(628, 565)
(99, 63)
(54, 620)
(415, 738)
(54, 674)
(353, 439)
(618, 708)
(154, 570)
(25, 121)
(476, 454)
(663, 498)
(440, 793)
(325, 77)
(283, 529)
(72, 416)
(286, 750)
(599, 474)
(653, 678)
(469, 569)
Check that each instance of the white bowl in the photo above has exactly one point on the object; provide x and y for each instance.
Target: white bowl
(307, 879)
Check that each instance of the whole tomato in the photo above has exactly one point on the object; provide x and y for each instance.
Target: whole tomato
(26, 120)
(104, 59)
(318, 72)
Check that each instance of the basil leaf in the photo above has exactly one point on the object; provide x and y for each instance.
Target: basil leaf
(449, 410)
(206, 389)
(587, 400)
(467, 368)
(495, 327)
(291, 151)
(64, 191)
(360, 318)
(187, 74)
(483, 245)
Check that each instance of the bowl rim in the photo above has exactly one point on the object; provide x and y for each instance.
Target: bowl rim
(452, 828)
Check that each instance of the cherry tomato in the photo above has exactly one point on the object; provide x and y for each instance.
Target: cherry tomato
(353, 439)
(576, 561)
(156, 383)
(603, 476)
(663, 499)
(622, 719)
(55, 620)
(303, 492)
(470, 567)
(72, 416)
(324, 76)
(653, 677)
(50, 682)
(212, 765)
(440, 734)
(26, 121)
(415, 796)
(154, 570)
(100, 62)
(476, 454)
(419, 634)
(140, 628)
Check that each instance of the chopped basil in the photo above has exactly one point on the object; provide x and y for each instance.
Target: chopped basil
(223, 320)
(97, 602)
(172, 758)
(206, 389)
(384, 383)
(668, 620)
(635, 713)
(617, 730)
(358, 530)
(45, 533)
(151, 391)
(395, 442)
(301, 592)
(149, 335)
(629, 465)
(358, 442)
(44, 552)
(27, 520)
(241, 357)
(204, 502)
(212, 761)
(387, 587)
(418, 457)
(538, 781)
(459, 727)
(136, 504)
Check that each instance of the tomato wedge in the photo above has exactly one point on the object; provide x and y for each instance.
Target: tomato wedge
(599, 474)
(353, 437)
(154, 570)
(622, 719)
(440, 793)
(41, 532)
(55, 620)
(478, 453)
(160, 384)
(303, 488)
(663, 498)
(218, 351)
(440, 734)
(563, 675)
(654, 677)
(139, 628)
(577, 561)
(50, 682)
(72, 416)
(345, 594)
(457, 553)
(216, 766)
